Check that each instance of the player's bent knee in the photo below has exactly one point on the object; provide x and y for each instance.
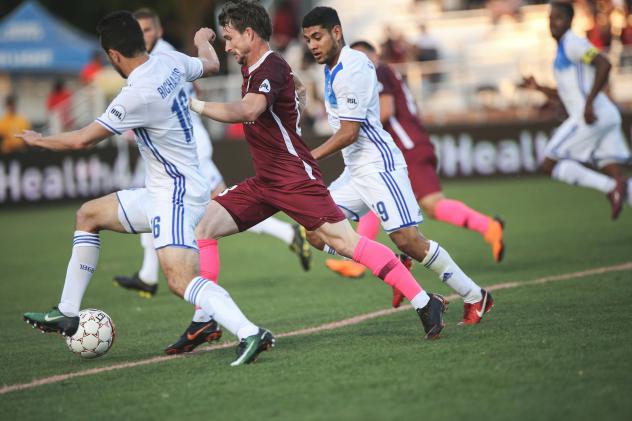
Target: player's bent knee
(85, 217)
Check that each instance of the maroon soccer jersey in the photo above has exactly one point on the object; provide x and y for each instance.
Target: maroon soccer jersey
(278, 153)
(404, 126)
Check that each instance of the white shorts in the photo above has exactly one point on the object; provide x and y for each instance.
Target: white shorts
(599, 144)
(205, 156)
(172, 225)
(388, 194)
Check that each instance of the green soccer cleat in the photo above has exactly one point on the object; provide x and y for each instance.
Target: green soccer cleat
(249, 348)
(301, 247)
(53, 321)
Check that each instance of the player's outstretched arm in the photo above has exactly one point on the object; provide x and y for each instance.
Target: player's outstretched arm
(84, 138)
(387, 107)
(529, 82)
(248, 109)
(202, 40)
(348, 133)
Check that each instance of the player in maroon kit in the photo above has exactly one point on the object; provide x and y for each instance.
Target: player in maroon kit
(288, 178)
(398, 113)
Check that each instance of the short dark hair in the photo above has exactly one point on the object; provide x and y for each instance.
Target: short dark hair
(121, 32)
(566, 7)
(365, 45)
(242, 14)
(147, 13)
(322, 16)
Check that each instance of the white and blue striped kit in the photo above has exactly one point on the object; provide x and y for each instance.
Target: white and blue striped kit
(375, 176)
(154, 104)
(600, 143)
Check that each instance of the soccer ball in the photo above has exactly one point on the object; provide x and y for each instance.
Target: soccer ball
(94, 336)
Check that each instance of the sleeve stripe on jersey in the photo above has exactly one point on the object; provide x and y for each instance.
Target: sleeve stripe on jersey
(107, 126)
(350, 118)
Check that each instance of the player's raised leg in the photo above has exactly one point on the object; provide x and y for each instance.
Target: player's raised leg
(91, 218)
(386, 266)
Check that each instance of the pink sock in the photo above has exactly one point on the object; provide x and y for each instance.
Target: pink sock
(369, 226)
(386, 266)
(209, 259)
(459, 214)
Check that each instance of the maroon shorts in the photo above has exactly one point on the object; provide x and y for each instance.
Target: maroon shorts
(422, 170)
(253, 201)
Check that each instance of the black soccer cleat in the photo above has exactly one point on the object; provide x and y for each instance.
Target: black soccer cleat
(196, 334)
(432, 316)
(53, 321)
(135, 283)
(301, 246)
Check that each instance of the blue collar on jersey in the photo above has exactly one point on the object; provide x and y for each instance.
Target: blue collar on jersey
(561, 59)
(330, 96)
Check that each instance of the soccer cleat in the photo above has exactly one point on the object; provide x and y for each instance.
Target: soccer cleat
(432, 316)
(473, 313)
(196, 334)
(53, 321)
(398, 297)
(301, 247)
(134, 282)
(346, 268)
(249, 348)
(494, 237)
(617, 196)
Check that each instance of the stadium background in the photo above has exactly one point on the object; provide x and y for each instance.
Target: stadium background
(463, 61)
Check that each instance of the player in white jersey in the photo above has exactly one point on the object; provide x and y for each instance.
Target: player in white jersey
(154, 104)
(591, 136)
(145, 281)
(375, 176)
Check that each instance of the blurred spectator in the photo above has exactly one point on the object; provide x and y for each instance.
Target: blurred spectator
(92, 68)
(600, 34)
(58, 104)
(500, 8)
(395, 48)
(11, 124)
(284, 25)
(427, 49)
(626, 42)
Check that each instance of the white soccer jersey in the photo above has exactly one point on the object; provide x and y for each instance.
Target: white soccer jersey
(205, 147)
(575, 77)
(352, 93)
(155, 105)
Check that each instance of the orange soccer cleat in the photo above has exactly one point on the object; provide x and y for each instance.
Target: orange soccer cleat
(473, 313)
(346, 268)
(494, 237)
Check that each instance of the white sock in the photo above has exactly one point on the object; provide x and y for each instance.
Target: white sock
(200, 316)
(420, 300)
(81, 267)
(630, 191)
(439, 261)
(276, 228)
(217, 303)
(574, 173)
(329, 250)
(148, 272)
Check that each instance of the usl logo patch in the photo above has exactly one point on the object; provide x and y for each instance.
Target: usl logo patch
(352, 101)
(265, 86)
(117, 113)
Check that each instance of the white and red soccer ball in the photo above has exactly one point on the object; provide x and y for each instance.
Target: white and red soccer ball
(94, 336)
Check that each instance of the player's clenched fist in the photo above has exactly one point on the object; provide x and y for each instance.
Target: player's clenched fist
(204, 35)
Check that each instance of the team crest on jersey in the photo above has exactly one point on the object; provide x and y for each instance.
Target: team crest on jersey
(352, 101)
(265, 86)
(117, 113)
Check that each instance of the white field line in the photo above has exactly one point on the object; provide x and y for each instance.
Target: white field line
(321, 328)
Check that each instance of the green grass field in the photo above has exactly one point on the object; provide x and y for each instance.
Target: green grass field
(560, 350)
